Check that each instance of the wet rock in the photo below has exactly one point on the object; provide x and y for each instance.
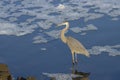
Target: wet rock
(28, 78)
(4, 72)
(31, 78)
(21, 78)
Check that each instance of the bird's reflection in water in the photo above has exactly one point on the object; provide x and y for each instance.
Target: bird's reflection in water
(75, 75)
(83, 75)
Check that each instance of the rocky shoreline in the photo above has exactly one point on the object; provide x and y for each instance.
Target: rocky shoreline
(6, 75)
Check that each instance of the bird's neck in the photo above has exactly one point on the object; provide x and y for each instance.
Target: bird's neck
(63, 37)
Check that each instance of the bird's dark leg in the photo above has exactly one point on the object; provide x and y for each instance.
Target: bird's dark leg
(76, 61)
(73, 58)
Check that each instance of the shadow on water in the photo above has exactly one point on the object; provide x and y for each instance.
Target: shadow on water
(74, 75)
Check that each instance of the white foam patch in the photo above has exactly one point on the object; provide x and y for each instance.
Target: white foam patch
(89, 27)
(61, 6)
(45, 13)
(115, 19)
(111, 50)
(14, 29)
(76, 29)
(44, 25)
(61, 76)
(54, 33)
(39, 39)
(93, 16)
(43, 49)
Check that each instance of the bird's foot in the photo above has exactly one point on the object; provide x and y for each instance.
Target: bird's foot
(73, 63)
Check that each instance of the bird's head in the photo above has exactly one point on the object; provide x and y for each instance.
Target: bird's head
(64, 23)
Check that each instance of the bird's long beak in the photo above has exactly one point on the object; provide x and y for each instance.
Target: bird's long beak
(60, 24)
(64, 23)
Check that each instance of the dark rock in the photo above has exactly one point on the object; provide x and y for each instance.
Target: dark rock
(21, 78)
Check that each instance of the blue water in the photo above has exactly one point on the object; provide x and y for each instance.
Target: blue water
(25, 58)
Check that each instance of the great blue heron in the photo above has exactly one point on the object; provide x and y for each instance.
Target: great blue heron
(75, 46)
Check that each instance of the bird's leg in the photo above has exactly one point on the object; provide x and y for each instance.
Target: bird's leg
(73, 60)
(76, 61)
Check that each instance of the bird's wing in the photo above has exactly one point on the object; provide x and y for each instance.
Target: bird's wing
(75, 45)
